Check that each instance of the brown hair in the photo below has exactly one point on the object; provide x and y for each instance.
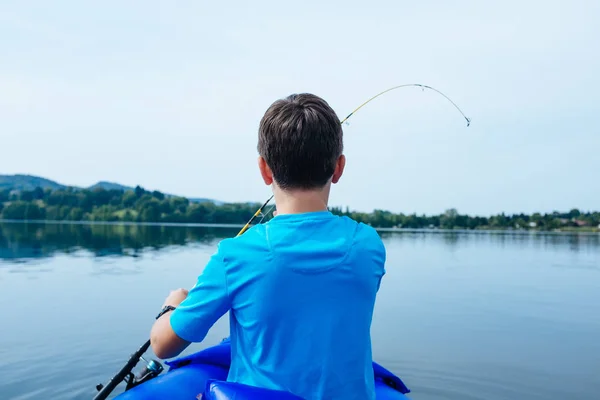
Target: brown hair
(300, 138)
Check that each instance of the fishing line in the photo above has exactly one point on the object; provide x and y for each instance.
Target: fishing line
(423, 87)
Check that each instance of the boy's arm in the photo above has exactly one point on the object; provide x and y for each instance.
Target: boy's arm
(195, 312)
(165, 342)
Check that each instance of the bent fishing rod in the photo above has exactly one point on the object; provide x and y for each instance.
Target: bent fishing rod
(423, 87)
(153, 368)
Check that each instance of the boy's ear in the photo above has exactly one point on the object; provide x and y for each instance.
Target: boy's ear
(339, 169)
(265, 171)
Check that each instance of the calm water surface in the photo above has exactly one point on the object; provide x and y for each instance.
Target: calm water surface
(459, 316)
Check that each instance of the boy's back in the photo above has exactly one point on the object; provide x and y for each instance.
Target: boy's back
(301, 288)
(301, 291)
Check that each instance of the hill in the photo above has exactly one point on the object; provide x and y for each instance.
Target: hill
(110, 186)
(21, 182)
(27, 182)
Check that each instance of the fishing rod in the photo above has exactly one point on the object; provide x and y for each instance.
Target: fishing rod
(153, 368)
(256, 214)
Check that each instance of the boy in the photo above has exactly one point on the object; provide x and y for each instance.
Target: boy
(300, 288)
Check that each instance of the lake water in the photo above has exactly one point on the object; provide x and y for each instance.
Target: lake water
(459, 316)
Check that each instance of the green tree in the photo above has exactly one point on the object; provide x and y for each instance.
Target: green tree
(552, 223)
(63, 198)
(38, 193)
(166, 207)
(150, 211)
(75, 214)
(23, 211)
(536, 217)
(139, 191)
(201, 213)
(15, 210)
(104, 213)
(4, 195)
(129, 198)
(52, 213)
(448, 220)
(180, 204)
(26, 195)
(128, 216)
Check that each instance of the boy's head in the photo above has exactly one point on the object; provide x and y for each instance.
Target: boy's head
(300, 143)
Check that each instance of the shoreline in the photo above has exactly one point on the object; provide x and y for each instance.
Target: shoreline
(512, 231)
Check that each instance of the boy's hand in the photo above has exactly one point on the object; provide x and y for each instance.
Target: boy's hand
(175, 297)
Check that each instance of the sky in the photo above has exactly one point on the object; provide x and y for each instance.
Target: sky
(169, 95)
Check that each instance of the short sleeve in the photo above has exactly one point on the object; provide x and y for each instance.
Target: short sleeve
(206, 302)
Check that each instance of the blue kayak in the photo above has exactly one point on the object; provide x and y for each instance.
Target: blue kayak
(205, 373)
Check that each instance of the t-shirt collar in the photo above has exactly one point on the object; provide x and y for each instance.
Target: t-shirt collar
(302, 216)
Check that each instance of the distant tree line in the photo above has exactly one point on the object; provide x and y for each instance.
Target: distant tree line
(140, 205)
(451, 219)
(137, 205)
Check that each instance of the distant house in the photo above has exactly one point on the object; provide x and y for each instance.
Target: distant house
(532, 224)
(579, 222)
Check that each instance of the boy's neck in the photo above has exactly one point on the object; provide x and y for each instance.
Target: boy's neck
(300, 201)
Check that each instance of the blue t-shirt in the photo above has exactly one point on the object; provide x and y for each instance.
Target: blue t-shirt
(300, 290)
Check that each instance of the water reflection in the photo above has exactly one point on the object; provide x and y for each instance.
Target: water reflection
(28, 242)
(575, 242)
(20, 243)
